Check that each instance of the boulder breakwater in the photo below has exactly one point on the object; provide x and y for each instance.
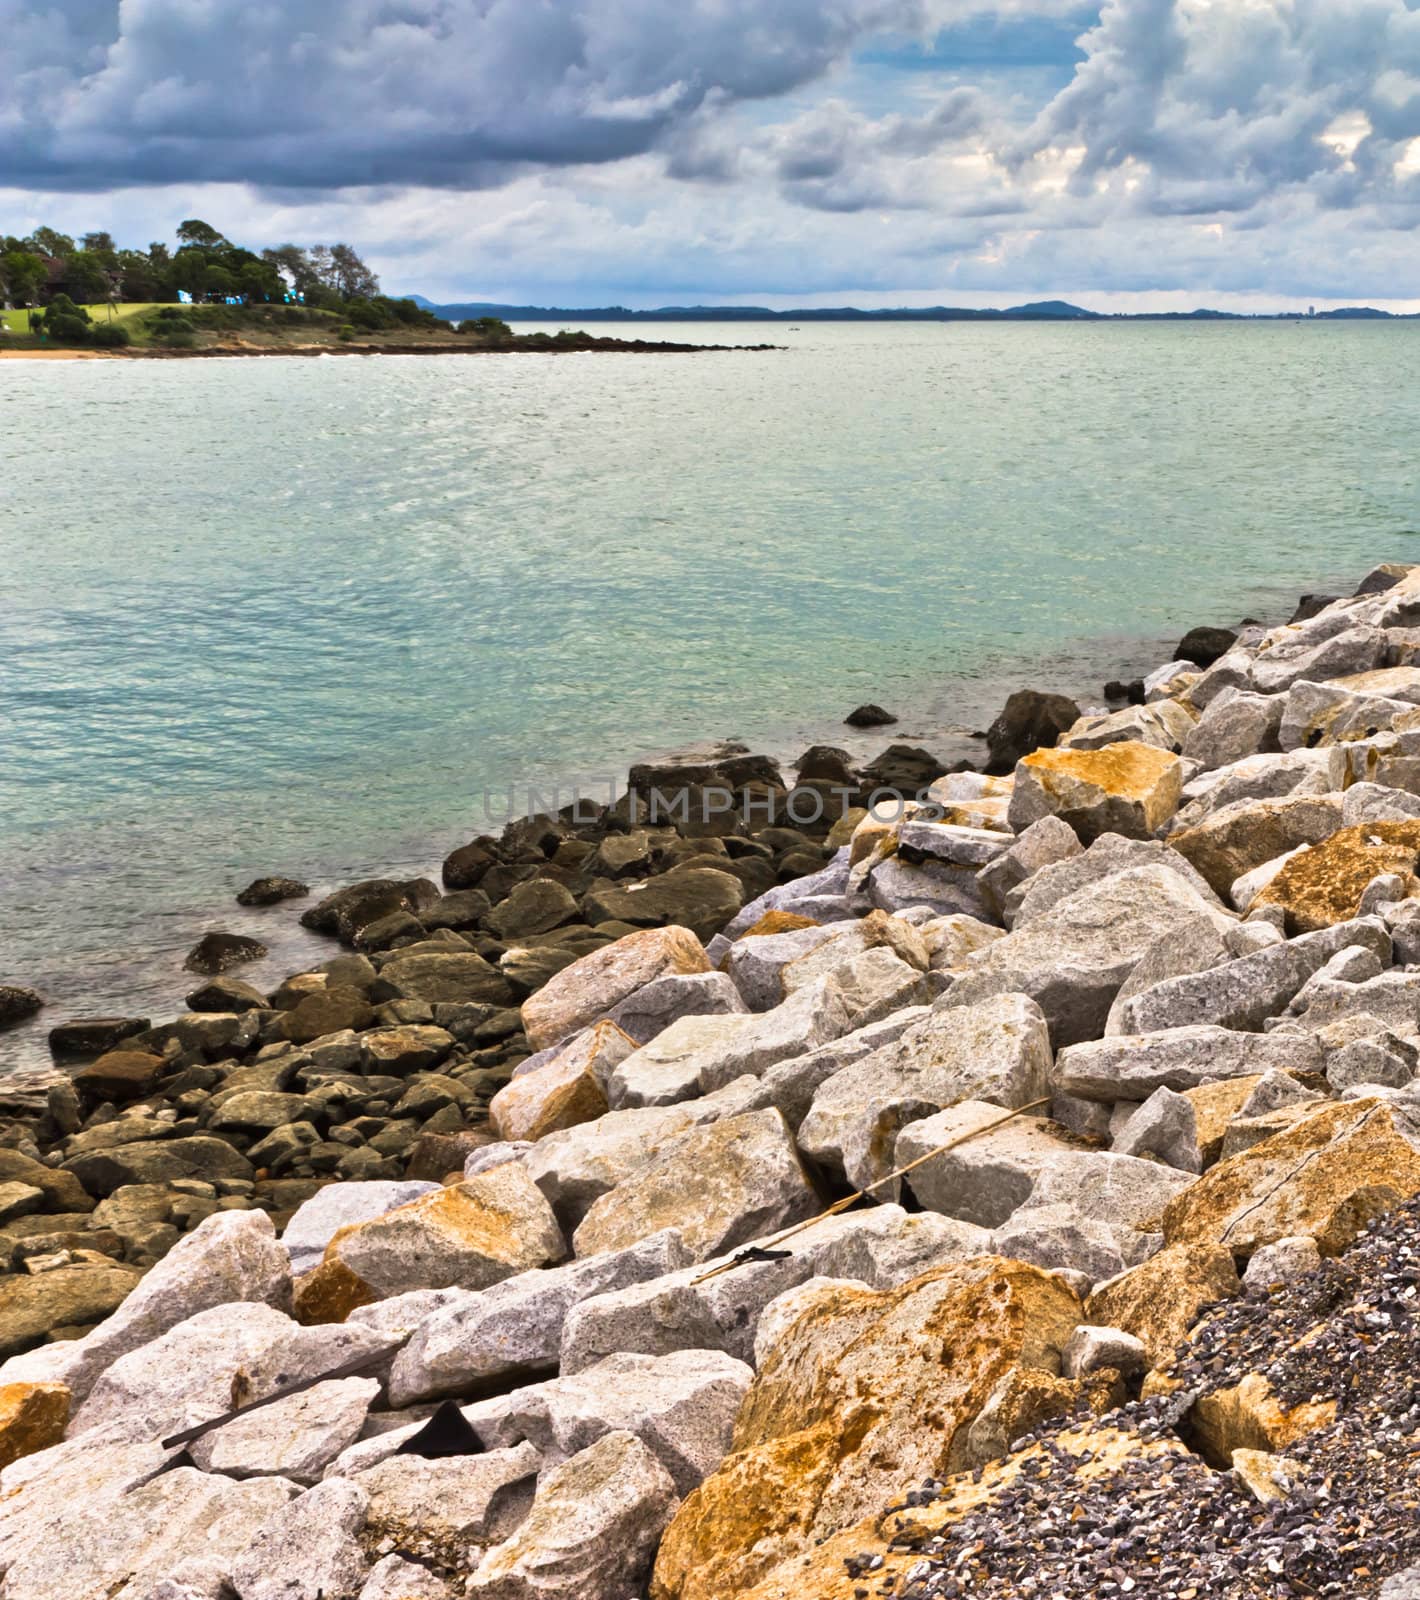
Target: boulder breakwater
(886, 1181)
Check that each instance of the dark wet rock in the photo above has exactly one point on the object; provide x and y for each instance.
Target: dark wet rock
(537, 906)
(869, 716)
(825, 763)
(1203, 646)
(271, 891)
(216, 952)
(1131, 691)
(1383, 577)
(464, 868)
(227, 994)
(93, 1035)
(157, 1161)
(328, 1010)
(348, 910)
(726, 764)
(702, 899)
(905, 768)
(1028, 721)
(1311, 605)
(463, 908)
(17, 1004)
(120, 1075)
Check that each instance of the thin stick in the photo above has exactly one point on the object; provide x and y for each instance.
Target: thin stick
(867, 1189)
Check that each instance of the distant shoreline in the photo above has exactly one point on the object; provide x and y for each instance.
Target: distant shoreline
(519, 345)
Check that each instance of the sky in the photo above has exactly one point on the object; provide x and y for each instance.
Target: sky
(1130, 155)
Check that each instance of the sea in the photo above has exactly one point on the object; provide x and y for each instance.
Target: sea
(331, 617)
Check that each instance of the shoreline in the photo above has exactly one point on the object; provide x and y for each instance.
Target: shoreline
(592, 344)
(941, 718)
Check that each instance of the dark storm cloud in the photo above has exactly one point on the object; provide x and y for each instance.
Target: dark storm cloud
(326, 94)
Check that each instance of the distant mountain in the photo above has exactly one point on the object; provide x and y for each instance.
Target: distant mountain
(1033, 311)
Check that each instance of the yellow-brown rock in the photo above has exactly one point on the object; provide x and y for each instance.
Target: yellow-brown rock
(329, 1292)
(1324, 885)
(1128, 787)
(841, 832)
(1215, 1105)
(1326, 1176)
(819, 1573)
(1236, 838)
(777, 922)
(863, 1393)
(564, 1091)
(585, 991)
(1160, 1300)
(1265, 1476)
(1250, 1417)
(467, 1236)
(33, 1416)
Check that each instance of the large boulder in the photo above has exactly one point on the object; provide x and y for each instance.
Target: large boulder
(997, 1050)
(1323, 885)
(862, 1394)
(567, 1088)
(1127, 788)
(702, 899)
(458, 977)
(316, 1221)
(1324, 1176)
(1159, 1300)
(294, 1438)
(1134, 1066)
(1028, 721)
(157, 1161)
(1072, 958)
(719, 1187)
(581, 993)
(592, 1531)
(1237, 838)
(308, 1550)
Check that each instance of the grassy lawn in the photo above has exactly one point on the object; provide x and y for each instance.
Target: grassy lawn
(18, 321)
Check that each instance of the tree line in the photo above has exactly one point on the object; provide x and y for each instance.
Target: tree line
(205, 266)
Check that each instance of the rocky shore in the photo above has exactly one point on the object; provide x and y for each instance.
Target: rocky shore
(522, 1248)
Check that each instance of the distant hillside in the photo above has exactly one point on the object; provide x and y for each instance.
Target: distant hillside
(1033, 311)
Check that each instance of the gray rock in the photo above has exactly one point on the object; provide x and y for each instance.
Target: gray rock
(1358, 649)
(792, 1084)
(997, 1050)
(924, 843)
(665, 1000)
(1091, 1349)
(756, 965)
(188, 1374)
(574, 1167)
(720, 1186)
(1320, 714)
(1243, 993)
(1057, 1238)
(1073, 958)
(1194, 945)
(231, 1256)
(895, 885)
(1232, 728)
(1282, 1260)
(1260, 777)
(294, 1438)
(309, 1550)
(1247, 938)
(1164, 725)
(317, 1220)
(395, 1578)
(1274, 1090)
(1165, 1127)
(667, 1070)
(433, 1506)
(1361, 1049)
(830, 883)
(517, 1325)
(1041, 845)
(1135, 1066)
(1109, 855)
(1373, 802)
(592, 1531)
(1393, 998)
(681, 1406)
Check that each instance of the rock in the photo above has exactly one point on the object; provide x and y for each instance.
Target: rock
(19, 1200)
(685, 1310)
(217, 952)
(309, 1550)
(950, 940)
(1072, 958)
(1232, 729)
(120, 1075)
(720, 1186)
(996, 1172)
(438, 1508)
(1165, 724)
(271, 891)
(1029, 721)
(1244, 993)
(701, 899)
(156, 1161)
(460, 977)
(734, 1047)
(1059, 1239)
(1161, 1299)
(653, 1008)
(1108, 856)
(1319, 887)
(592, 1530)
(575, 1166)
(667, 1070)
(869, 716)
(1285, 1259)
(258, 1111)
(895, 885)
(92, 1036)
(681, 1406)
(398, 1052)
(31, 1306)
(1165, 1127)
(861, 1394)
(348, 910)
(581, 993)
(756, 964)
(1194, 945)
(1361, 1049)
(537, 906)
(1236, 838)
(1274, 1090)
(517, 1325)
(231, 1256)
(1040, 845)
(1204, 645)
(1358, 649)
(294, 1438)
(394, 1578)
(1126, 788)
(997, 1050)
(227, 995)
(568, 1088)
(1091, 1348)
(466, 1236)
(18, 1004)
(1325, 1177)
(338, 1205)
(33, 1416)
(1134, 1066)
(326, 1011)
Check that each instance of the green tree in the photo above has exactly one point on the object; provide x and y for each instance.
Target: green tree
(87, 276)
(21, 274)
(350, 277)
(201, 235)
(217, 280)
(50, 243)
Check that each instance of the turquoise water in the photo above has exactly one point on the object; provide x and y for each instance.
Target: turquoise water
(298, 615)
